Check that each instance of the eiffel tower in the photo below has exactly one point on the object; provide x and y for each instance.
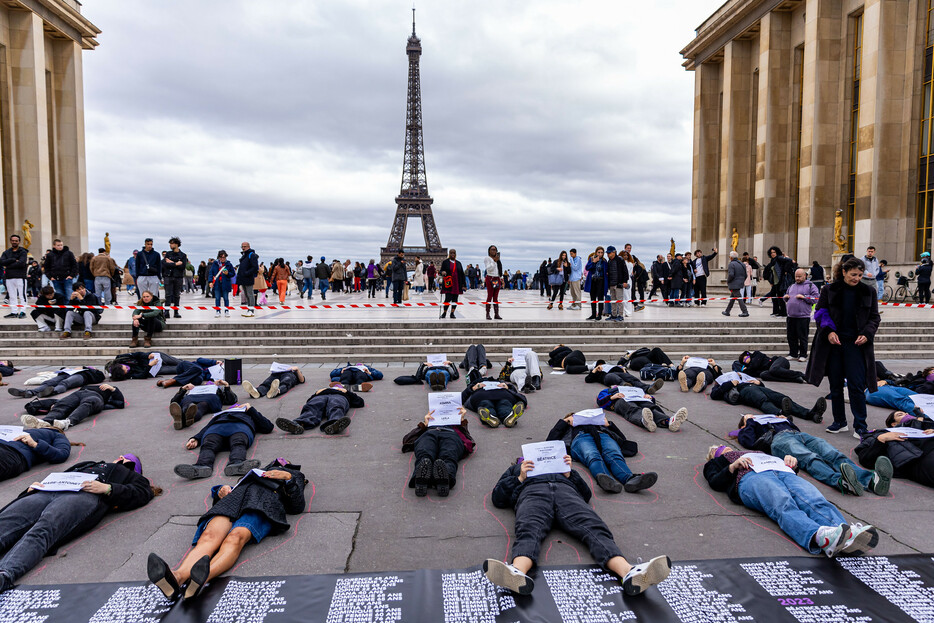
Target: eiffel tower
(413, 200)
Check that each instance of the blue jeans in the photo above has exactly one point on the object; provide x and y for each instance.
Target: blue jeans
(892, 397)
(63, 288)
(443, 370)
(323, 286)
(674, 295)
(308, 286)
(817, 457)
(792, 502)
(219, 293)
(31, 525)
(584, 449)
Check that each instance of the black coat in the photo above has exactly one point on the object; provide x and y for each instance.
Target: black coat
(449, 267)
(471, 397)
(901, 453)
(14, 263)
(355, 401)
(169, 269)
(149, 264)
(621, 270)
(508, 491)
(138, 363)
(60, 264)
(717, 473)
(248, 267)
(266, 496)
(867, 323)
(398, 269)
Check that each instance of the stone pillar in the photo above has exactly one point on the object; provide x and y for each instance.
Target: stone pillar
(823, 120)
(69, 135)
(705, 204)
(737, 143)
(884, 200)
(30, 131)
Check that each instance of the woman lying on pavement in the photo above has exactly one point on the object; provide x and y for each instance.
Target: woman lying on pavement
(910, 447)
(438, 449)
(233, 429)
(640, 409)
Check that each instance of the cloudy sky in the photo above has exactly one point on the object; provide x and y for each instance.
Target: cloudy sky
(547, 124)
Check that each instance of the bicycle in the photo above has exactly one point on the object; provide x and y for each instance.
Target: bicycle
(903, 291)
(887, 291)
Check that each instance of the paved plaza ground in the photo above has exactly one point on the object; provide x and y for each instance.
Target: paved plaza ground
(361, 516)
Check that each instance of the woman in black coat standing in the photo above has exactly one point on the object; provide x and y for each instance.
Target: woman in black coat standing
(847, 317)
(453, 282)
(248, 512)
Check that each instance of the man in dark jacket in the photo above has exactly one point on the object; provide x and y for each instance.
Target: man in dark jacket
(14, 263)
(323, 274)
(173, 274)
(659, 271)
(61, 268)
(77, 407)
(65, 379)
(757, 363)
(540, 501)
(191, 403)
(753, 393)
(233, 429)
(81, 298)
(618, 275)
(246, 275)
(735, 278)
(42, 316)
(329, 407)
(148, 269)
(700, 265)
(398, 275)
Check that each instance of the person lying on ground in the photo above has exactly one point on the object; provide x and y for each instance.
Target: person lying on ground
(437, 376)
(542, 501)
(495, 402)
(608, 375)
(38, 522)
(438, 450)
(34, 446)
(694, 374)
(602, 448)
(189, 404)
(475, 364)
(63, 380)
(74, 408)
(571, 361)
(815, 455)
(233, 429)
(637, 407)
(777, 368)
(191, 372)
(276, 384)
(6, 369)
(792, 502)
(753, 393)
(893, 397)
(248, 512)
(911, 457)
(639, 358)
(328, 407)
(525, 373)
(357, 377)
(139, 365)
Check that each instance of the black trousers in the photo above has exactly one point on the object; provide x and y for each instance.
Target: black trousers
(847, 363)
(325, 408)
(450, 298)
(173, 291)
(12, 463)
(544, 503)
(287, 380)
(596, 294)
(924, 292)
(700, 289)
(212, 444)
(148, 325)
(656, 356)
(768, 400)
(693, 373)
(353, 376)
(443, 443)
(76, 407)
(796, 330)
(623, 378)
(781, 371)
(632, 411)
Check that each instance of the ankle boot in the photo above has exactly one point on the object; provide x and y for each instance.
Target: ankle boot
(444, 313)
(496, 312)
(488, 313)
(537, 382)
(134, 342)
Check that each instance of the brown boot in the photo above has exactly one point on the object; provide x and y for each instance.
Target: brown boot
(488, 313)
(496, 312)
(166, 383)
(147, 342)
(134, 342)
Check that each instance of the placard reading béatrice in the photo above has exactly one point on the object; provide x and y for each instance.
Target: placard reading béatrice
(548, 457)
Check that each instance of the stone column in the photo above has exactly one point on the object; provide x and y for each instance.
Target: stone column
(71, 164)
(705, 204)
(737, 143)
(823, 120)
(30, 131)
(773, 222)
(884, 202)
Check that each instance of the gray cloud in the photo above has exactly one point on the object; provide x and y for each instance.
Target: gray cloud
(547, 125)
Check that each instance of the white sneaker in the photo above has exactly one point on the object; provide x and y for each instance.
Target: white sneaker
(679, 418)
(831, 538)
(217, 314)
(252, 391)
(31, 421)
(802, 359)
(650, 573)
(507, 576)
(61, 425)
(226, 313)
(273, 389)
(44, 329)
(648, 420)
(862, 539)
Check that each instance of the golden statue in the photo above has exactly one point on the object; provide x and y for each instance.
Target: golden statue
(838, 238)
(27, 237)
(734, 239)
(107, 241)
(672, 251)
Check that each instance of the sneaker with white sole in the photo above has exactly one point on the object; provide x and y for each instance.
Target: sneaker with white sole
(862, 539)
(61, 425)
(252, 391)
(835, 428)
(273, 389)
(517, 410)
(831, 538)
(849, 482)
(647, 574)
(31, 421)
(881, 476)
(648, 420)
(683, 380)
(507, 576)
(679, 418)
(657, 385)
(487, 418)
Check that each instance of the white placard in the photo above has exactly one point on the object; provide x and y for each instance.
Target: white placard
(258, 472)
(548, 457)
(769, 419)
(911, 433)
(155, 367)
(70, 371)
(279, 367)
(216, 372)
(696, 362)
(631, 394)
(203, 390)
(233, 409)
(491, 385)
(436, 360)
(446, 407)
(518, 354)
(729, 377)
(362, 368)
(9, 433)
(589, 417)
(925, 401)
(64, 481)
(767, 463)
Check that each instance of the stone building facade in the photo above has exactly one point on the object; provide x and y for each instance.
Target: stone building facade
(806, 107)
(43, 171)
